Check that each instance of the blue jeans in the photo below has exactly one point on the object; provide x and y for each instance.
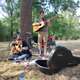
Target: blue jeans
(23, 56)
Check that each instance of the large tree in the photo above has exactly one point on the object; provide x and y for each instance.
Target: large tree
(26, 17)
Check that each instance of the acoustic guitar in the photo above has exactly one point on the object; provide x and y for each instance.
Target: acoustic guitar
(37, 26)
(16, 47)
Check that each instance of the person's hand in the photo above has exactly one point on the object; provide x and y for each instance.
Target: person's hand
(36, 24)
(25, 48)
(30, 50)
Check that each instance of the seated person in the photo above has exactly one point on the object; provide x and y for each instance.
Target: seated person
(26, 50)
(51, 40)
(19, 50)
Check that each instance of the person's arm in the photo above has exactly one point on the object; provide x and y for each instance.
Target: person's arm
(18, 48)
(48, 22)
(25, 48)
(36, 24)
(12, 47)
(13, 50)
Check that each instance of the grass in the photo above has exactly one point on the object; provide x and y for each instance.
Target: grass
(11, 71)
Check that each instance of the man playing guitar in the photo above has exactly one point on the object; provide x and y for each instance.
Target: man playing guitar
(42, 34)
(19, 49)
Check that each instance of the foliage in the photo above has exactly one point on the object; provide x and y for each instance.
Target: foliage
(12, 20)
(65, 25)
(4, 32)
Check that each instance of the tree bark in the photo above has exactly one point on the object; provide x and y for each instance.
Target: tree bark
(26, 17)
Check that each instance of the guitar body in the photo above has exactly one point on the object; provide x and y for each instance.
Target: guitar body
(37, 26)
(16, 47)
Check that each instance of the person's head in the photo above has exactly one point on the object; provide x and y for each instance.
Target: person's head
(42, 14)
(18, 39)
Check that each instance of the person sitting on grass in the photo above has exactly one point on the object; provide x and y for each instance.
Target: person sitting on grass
(20, 50)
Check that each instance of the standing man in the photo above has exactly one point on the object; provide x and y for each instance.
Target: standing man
(43, 34)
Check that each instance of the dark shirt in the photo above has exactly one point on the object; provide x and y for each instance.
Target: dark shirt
(24, 44)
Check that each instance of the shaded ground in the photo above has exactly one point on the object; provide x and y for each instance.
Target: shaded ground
(11, 71)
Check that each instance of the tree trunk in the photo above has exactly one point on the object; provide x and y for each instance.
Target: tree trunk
(26, 17)
(11, 26)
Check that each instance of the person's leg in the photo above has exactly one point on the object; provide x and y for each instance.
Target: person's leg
(21, 57)
(40, 36)
(45, 38)
(28, 54)
(13, 57)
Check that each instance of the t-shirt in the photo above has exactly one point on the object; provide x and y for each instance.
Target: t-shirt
(24, 44)
(45, 28)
